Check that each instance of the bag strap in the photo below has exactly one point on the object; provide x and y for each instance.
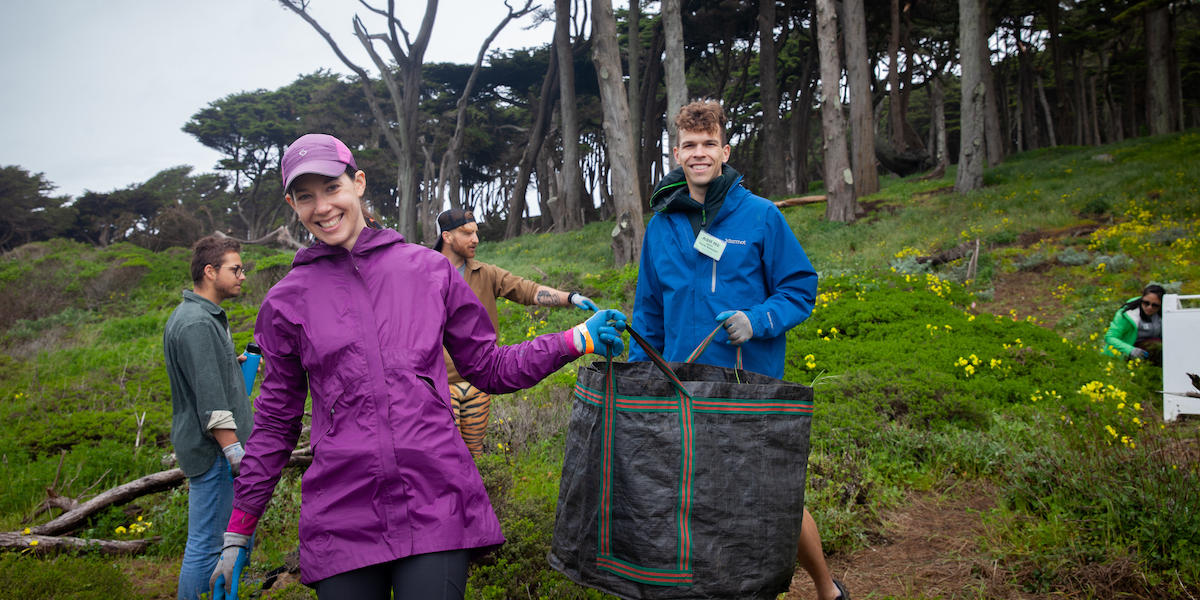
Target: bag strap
(658, 360)
(704, 345)
(682, 573)
(661, 362)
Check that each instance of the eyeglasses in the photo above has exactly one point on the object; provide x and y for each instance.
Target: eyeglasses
(1149, 304)
(239, 270)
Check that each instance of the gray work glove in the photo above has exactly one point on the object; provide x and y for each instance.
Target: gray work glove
(235, 553)
(234, 453)
(737, 325)
(582, 302)
(1138, 353)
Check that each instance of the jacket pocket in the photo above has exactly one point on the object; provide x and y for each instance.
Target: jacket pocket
(326, 427)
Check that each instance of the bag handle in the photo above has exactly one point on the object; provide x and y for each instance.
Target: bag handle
(658, 360)
(661, 362)
(704, 345)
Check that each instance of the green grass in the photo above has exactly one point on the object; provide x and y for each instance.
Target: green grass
(916, 385)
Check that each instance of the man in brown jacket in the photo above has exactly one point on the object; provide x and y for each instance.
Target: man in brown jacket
(457, 240)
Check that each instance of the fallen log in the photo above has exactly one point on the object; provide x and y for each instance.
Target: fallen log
(46, 544)
(799, 201)
(154, 482)
(126, 492)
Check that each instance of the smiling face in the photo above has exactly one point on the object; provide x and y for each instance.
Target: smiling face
(701, 154)
(330, 207)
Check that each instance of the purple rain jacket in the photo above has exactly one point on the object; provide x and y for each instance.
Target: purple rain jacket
(363, 331)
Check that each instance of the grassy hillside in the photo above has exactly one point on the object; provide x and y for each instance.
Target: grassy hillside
(923, 379)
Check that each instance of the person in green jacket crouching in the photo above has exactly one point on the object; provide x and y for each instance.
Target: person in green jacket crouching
(1136, 329)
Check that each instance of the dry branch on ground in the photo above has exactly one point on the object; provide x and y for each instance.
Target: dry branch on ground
(45, 544)
(124, 493)
(799, 201)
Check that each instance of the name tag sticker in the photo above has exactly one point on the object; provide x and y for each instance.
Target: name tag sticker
(709, 245)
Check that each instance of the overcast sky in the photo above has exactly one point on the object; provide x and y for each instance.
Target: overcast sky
(96, 92)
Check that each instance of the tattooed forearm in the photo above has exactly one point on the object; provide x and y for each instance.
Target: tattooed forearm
(546, 297)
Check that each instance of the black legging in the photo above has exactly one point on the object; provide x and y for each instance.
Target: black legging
(435, 576)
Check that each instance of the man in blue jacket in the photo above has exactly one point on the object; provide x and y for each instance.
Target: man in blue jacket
(716, 253)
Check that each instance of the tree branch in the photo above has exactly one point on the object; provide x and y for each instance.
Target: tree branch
(154, 482)
(299, 7)
(45, 544)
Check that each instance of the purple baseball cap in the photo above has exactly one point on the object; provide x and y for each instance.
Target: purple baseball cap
(315, 153)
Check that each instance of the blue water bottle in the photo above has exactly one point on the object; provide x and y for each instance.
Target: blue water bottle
(250, 367)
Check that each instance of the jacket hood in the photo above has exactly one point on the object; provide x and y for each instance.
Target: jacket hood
(368, 240)
(671, 194)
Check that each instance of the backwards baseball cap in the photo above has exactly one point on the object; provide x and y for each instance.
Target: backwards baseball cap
(450, 220)
(315, 153)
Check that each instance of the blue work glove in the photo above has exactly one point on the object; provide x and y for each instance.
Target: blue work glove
(235, 553)
(234, 454)
(582, 302)
(600, 334)
(1138, 353)
(737, 325)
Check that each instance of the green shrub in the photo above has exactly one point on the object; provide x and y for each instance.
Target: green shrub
(76, 577)
(1073, 257)
(1114, 263)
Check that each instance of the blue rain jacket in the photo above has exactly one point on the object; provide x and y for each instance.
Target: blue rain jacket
(763, 272)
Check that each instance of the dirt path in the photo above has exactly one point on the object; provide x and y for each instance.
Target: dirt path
(929, 549)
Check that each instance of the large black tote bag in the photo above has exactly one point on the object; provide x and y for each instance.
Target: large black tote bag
(682, 480)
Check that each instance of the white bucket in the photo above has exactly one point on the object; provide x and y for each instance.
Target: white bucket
(1181, 354)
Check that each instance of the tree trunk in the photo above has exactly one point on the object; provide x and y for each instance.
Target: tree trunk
(434, 184)
(1083, 133)
(403, 80)
(994, 135)
(801, 118)
(677, 93)
(539, 122)
(841, 205)
(1112, 113)
(772, 128)
(451, 171)
(1159, 47)
(1062, 99)
(1026, 99)
(626, 190)
(895, 115)
(937, 109)
(649, 156)
(971, 153)
(634, 89)
(571, 189)
(858, 77)
(544, 171)
(1046, 110)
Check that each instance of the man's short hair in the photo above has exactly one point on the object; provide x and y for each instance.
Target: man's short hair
(702, 115)
(211, 250)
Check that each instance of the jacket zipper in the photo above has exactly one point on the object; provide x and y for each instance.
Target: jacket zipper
(714, 277)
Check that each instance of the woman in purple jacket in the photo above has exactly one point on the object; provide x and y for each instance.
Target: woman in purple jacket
(392, 501)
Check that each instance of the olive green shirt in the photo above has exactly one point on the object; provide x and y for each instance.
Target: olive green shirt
(205, 377)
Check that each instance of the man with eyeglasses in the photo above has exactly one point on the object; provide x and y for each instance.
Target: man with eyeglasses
(211, 409)
(458, 235)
